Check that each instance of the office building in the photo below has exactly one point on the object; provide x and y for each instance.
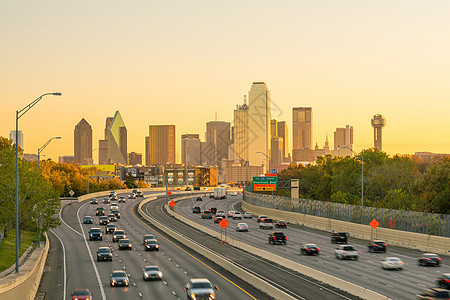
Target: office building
(276, 154)
(66, 159)
(237, 171)
(83, 143)
(259, 125)
(378, 123)
(302, 127)
(218, 135)
(134, 158)
(191, 149)
(12, 136)
(117, 141)
(103, 144)
(282, 132)
(273, 128)
(343, 141)
(160, 145)
(240, 145)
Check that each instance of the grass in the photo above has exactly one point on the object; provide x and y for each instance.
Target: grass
(8, 247)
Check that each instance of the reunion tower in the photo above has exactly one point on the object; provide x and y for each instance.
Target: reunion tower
(378, 122)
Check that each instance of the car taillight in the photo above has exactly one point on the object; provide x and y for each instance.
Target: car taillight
(438, 258)
(374, 245)
(274, 238)
(308, 249)
(385, 245)
(358, 252)
(428, 258)
(285, 237)
(345, 252)
(447, 280)
(317, 249)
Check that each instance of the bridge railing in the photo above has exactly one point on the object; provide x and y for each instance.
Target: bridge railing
(412, 221)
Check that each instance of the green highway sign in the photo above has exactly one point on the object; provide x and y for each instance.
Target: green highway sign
(265, 180)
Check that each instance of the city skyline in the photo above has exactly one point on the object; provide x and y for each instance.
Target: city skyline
(390, 59)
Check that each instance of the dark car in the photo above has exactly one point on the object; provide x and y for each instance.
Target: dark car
(151, 245)
(81, 294)
(118, 235)
(104, 253)
(434, 294)
(211, 196)
(94, 201)
(281, 224)
(309, 249)
(103, 221)
(213, 210)
(88, 220)
(429, 259)
(110, 228)
(121, 199)
(125, 244)
(148, 237)
(118, 278)
(100, 211)
(112, 217)
(196, 188)
(196, 210)
(199, 199)
(277, 237)
(377, 246)
(260, 218)
(187, 189)
(444, 281)
(206, 214)
(116, 212)
(139, 194)
(95, 234)
(106, 200)
(339, 237)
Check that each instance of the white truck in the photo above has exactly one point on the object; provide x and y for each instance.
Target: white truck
(220, 193)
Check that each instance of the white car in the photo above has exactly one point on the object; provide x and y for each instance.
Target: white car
(237, 215)
(234, 194)
(392, 263)
(230, 213)
(220, 213)
(248, 215)
(242, 227)
(114, 206)
(346, 252)
(132, 196)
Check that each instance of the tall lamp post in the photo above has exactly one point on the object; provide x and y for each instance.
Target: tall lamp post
(19, 114)
(362, 173)
(39, 155)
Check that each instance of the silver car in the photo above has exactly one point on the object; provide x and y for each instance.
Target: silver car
(152, 273)
(119, 277)
(389, 263)
(242, 227)
(200, 288)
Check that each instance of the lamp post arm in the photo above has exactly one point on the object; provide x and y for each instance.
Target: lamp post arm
(24, 110)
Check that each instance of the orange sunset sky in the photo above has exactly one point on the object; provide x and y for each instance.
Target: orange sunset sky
(179, 62)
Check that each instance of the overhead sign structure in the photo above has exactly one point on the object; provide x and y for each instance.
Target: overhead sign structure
(374, 223)
(224, 223)
(265, 183)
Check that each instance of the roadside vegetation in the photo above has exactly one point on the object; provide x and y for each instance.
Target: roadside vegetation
(8, 247)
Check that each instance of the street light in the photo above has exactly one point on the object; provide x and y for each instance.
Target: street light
(19, 114)
(39, 155)
(362, 174)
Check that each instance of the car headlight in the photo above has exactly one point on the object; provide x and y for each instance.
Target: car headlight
(129, 245)
(193, 296)
(160, 274)
(212, 296)
(113, 280)
(157, 246)
(145, 274)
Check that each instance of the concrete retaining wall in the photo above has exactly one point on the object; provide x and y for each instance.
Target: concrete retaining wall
(422, 242)
(25, 284)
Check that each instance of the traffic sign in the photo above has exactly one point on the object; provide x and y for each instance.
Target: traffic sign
(265, 179)
(224, 223)
(71, 193)
(172, 203)
(264, 187)
(265, 183)
(270, 174)
(374, 223)
(274, 171)
(169, 193)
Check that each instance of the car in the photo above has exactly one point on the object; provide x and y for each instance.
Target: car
(119, 277)
(281, 224)
(112, 193)
(220, 213)
(131, 196)
(218, 219)
(135, 191)
(103, 221)
(188, 189)
(95, 234)
(237, 215)
(213, 210)
(196, 188)
(94, 201)
(204, 189)
(199, 199)
(377, 246)
(242, 227)
(151, 245)
(125, 244)
(196, 210)
(113, 198)
(112, 218)
(116, 212)
(121, 199)
(148, 237)
(152, 273)
(211, 195)
(248, 215)
(233, 194)
(434, 294)
(104, 253)
(260, 218)
(118, 235)
(339, 237)
(88, 220)
(346, 252)
(99, 211)
(206, 214)
(110, 228)
(444, 281)
(200, 288)
(106, 200)
(309, 249)
(277, 237)
(114, 206)
(266, 224)
(389, 263)
(140, 194)
(230, 213)
(81, 294)
(429, 259)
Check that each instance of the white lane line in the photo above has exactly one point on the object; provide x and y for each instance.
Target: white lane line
(64, 264)
(60, 217)
(99, 280)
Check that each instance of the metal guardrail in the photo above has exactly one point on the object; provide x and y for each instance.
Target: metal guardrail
(412, 221)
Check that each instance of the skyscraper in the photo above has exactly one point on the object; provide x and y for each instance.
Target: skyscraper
(273, 128)
(302, 127)
(259, 125)
(103, 144)
(282, 131)
(378, 123)
(218, 134)
(241, 131)
(160, 145)
(343, 140)
(134, 158)
(83, 143)
(12, 136)
(190, 149)
(117, 141)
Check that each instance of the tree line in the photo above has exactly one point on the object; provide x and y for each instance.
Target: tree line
(399, 182)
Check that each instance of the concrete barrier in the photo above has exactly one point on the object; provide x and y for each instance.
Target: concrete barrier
(221, 261)
(25, 284)
(412, 240)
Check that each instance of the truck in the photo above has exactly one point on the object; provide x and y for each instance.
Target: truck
(220, 193)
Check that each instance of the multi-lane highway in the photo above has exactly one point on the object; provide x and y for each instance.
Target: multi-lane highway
(365, 272)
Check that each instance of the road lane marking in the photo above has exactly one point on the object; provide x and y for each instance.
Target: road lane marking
(60, 217)
(64, 264)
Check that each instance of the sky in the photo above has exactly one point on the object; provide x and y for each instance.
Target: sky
(181, 62)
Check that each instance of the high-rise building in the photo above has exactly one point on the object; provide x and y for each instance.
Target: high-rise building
(241, 131)
(378, 123)
(218, 134)
(134, 158)
(282, 132)
(160, 145)
(117, 141)
(12, 136)
(83, 143)
(273, 128)
(191, 149)
(343, 141)
(103, 144)
(259, 125)
(302, 127)
(276, 152)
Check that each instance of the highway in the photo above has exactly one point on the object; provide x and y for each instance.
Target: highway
(81, 270)
(365, 272)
